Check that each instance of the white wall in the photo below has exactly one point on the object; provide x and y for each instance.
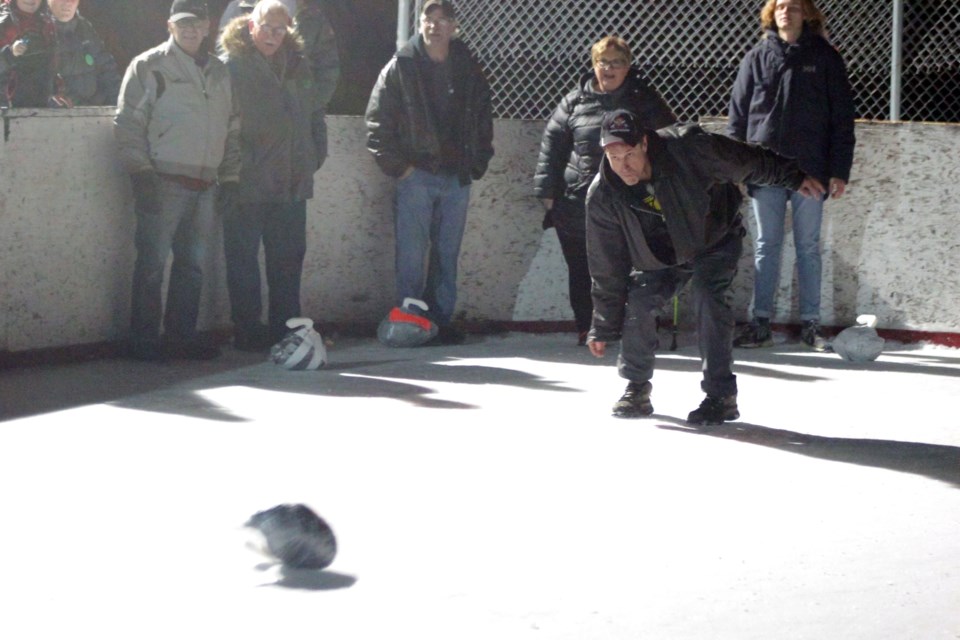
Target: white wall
(892, 245)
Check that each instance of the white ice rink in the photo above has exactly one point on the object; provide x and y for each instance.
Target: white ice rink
(483, 492)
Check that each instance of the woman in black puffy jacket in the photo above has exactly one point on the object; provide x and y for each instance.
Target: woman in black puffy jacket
(570, 155)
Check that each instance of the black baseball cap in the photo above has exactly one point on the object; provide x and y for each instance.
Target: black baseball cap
(621, 126)
(181, 9)
(444, 5)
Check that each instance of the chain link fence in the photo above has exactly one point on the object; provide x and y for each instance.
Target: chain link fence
(535, 50)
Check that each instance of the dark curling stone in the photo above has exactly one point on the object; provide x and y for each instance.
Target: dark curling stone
(296, 536)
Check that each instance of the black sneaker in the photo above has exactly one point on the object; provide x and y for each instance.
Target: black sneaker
(757, 334)
(635, 401)
(715, 410)
(811, 336)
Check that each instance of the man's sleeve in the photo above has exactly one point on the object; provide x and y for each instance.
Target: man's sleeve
(484, 124)
(134, 110)
(318, 130)
(108, 77)
(728, 160)
(842, 115)
(738, 111)
(608, 257)
(382, 117)
(229, 170)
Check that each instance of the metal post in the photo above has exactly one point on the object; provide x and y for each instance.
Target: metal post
(403, 22)
(896, 60)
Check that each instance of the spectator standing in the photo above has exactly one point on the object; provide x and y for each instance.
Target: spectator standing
(320, 44)
(662, 211)
(570, 155)
(87, 70)
(177, 131)
(430, 125)
(26, 54)
(283, 142)
(793, 96)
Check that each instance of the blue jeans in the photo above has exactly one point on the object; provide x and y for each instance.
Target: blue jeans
(430, 214)
(770, 208)
(282, 227)
(712, 273)
(183, 224)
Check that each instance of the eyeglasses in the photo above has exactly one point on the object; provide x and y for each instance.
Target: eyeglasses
(436, 22)
(276, 32)
(611, 64)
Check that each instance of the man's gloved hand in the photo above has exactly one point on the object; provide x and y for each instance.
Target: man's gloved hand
(227, 197)
(146, 192)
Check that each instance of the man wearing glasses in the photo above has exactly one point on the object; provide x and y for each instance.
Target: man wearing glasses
(177, 132)
(283, 142)
(429, 124)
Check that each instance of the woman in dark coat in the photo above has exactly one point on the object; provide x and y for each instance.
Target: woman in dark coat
(570, 155)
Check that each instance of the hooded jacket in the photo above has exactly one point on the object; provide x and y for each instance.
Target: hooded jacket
(693, 176)
(796, 100)
(401, 131)
(283, 132)
(177, 117)
(570, 152)
(88, 70)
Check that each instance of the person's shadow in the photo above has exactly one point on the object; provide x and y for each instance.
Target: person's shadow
(940, 462)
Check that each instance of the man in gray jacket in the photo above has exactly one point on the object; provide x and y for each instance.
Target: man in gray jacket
(177, 132)
(662, 211)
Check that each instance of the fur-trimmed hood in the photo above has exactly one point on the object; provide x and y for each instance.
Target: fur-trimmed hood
(235, 39)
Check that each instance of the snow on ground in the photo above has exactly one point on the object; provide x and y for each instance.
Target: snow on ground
(484, 491)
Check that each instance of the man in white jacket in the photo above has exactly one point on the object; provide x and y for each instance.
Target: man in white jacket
(177, 133)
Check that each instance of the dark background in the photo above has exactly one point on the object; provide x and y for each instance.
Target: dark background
(366, 35)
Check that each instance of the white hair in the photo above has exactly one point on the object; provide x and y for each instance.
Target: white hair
(266, 7)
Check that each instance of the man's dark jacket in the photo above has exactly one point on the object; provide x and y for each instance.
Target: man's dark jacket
(400, 129)
(283, 129)
(87, 68)
(693, 176)
(796, 100)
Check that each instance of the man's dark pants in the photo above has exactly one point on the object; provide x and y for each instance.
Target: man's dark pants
(711, 274)
(282, 227)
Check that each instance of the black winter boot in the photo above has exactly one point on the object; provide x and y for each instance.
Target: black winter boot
(715, 410)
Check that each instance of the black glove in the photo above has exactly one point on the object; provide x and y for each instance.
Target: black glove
(146, 192)
(227, 197)
(547, 219)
